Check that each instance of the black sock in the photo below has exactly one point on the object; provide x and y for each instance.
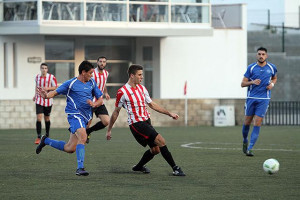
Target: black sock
(38, 128)
(146, 158)
(47, 123)
(167, 156)
(96, 127)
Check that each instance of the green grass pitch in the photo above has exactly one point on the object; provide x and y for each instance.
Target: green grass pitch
(211, 157)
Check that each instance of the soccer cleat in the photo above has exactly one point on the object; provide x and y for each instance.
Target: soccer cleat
(143, 169)
(41, 145)
(177, 171)
(37, 141)
(88, 138)
(249, 153)
(81, 172)
(245, 146)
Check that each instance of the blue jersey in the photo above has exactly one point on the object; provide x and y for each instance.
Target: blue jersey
(265, 74)
(77, 94)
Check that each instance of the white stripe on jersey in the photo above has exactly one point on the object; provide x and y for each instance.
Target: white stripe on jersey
(48, 81)
(69, 92)
(134, 101)
(252, 68)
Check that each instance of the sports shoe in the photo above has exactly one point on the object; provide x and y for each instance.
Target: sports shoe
(245, 146)
(249, 153)
(37, 141)
(177, 171)
(41, 145)
(88, 138)
(143, 169)
(81, 172)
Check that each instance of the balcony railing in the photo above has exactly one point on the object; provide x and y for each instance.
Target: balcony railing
(155, 11)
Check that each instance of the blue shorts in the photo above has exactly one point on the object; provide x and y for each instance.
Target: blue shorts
(76, 122)
(257, 107)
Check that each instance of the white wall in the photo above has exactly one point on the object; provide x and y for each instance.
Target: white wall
(213, 66)
(26, 46)
(291, 9)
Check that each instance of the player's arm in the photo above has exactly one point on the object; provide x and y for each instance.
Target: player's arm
(112, 121)
(50, 88)
(106, 93)
(246, 82)
(162, 110)
(43, 93)
(95, 104)
(272, 82)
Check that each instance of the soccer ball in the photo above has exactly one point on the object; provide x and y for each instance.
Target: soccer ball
(271, 166)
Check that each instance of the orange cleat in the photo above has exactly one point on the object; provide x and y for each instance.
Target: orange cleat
(37, 141)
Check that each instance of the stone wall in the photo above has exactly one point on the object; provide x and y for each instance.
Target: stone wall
(20, 114)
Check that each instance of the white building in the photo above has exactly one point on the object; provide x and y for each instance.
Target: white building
(175, 40)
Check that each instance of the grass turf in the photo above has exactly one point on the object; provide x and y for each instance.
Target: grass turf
(216, 168)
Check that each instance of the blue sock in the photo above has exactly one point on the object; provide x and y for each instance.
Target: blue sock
(80, 155)
(254, 136)
(55, 144)
(245, 131)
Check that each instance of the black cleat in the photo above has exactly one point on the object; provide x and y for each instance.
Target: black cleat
(143, 169)
(88, 138)
(177, 171)
(245, 146)
(81, 172)
(249, 153)
(41, 145)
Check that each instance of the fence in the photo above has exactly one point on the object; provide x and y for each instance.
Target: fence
(283, 113)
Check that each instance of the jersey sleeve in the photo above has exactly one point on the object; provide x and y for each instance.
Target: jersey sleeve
(63, 88)
(119, 99)
(248, 72)
(96, 91)
(54, 82)
(147, 96)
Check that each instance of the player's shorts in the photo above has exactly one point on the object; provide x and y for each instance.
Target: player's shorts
(76, 122)
(101, 110)
(257, 107)
(144, 133)
(42, 109)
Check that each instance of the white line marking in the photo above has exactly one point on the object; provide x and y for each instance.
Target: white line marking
(197, 145)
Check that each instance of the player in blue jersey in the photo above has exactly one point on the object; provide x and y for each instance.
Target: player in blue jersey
(80, 92)
(260, 78)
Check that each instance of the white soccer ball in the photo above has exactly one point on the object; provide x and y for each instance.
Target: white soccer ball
(271, 166)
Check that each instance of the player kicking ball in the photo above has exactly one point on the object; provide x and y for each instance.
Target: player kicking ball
(133, 97)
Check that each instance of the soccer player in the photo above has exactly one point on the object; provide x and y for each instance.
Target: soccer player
(43, 106)
(80, 92)
(100, 75)
(260, 78)
(133, 97)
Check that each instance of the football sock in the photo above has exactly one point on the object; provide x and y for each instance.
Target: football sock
(167, 156)
(146, 158)
(254, 136)
(80, 152)
(96, 127)
(245, 131)
(38, 128)
(55, 143)
(47, 123)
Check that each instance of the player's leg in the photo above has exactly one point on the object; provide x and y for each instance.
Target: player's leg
(249, 114)
(47, 111)
(80, 151)
(38, 125)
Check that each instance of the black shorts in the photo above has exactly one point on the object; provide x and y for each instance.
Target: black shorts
(144, 133)
(42, 109)
(101, 110)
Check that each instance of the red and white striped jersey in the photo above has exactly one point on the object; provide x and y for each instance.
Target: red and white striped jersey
(134, 100)
(47, 81)
(100, 78)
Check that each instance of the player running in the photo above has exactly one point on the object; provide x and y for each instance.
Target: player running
(133, 97)
(260, 78)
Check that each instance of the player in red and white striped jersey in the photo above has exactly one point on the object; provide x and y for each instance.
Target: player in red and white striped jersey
(43, 106)
(134, 97)
(100, 75)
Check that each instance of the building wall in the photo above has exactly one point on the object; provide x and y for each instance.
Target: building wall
(212, 66)
(20, 114)
(292, 12)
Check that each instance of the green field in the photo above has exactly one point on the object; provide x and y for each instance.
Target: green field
(215, 167)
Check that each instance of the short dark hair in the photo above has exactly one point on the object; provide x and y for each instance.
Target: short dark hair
(44, 64)
(134, 68)
(85, 66)
(262, 49)
(101, 57)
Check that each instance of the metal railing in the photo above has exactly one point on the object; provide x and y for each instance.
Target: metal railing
(283, 113)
